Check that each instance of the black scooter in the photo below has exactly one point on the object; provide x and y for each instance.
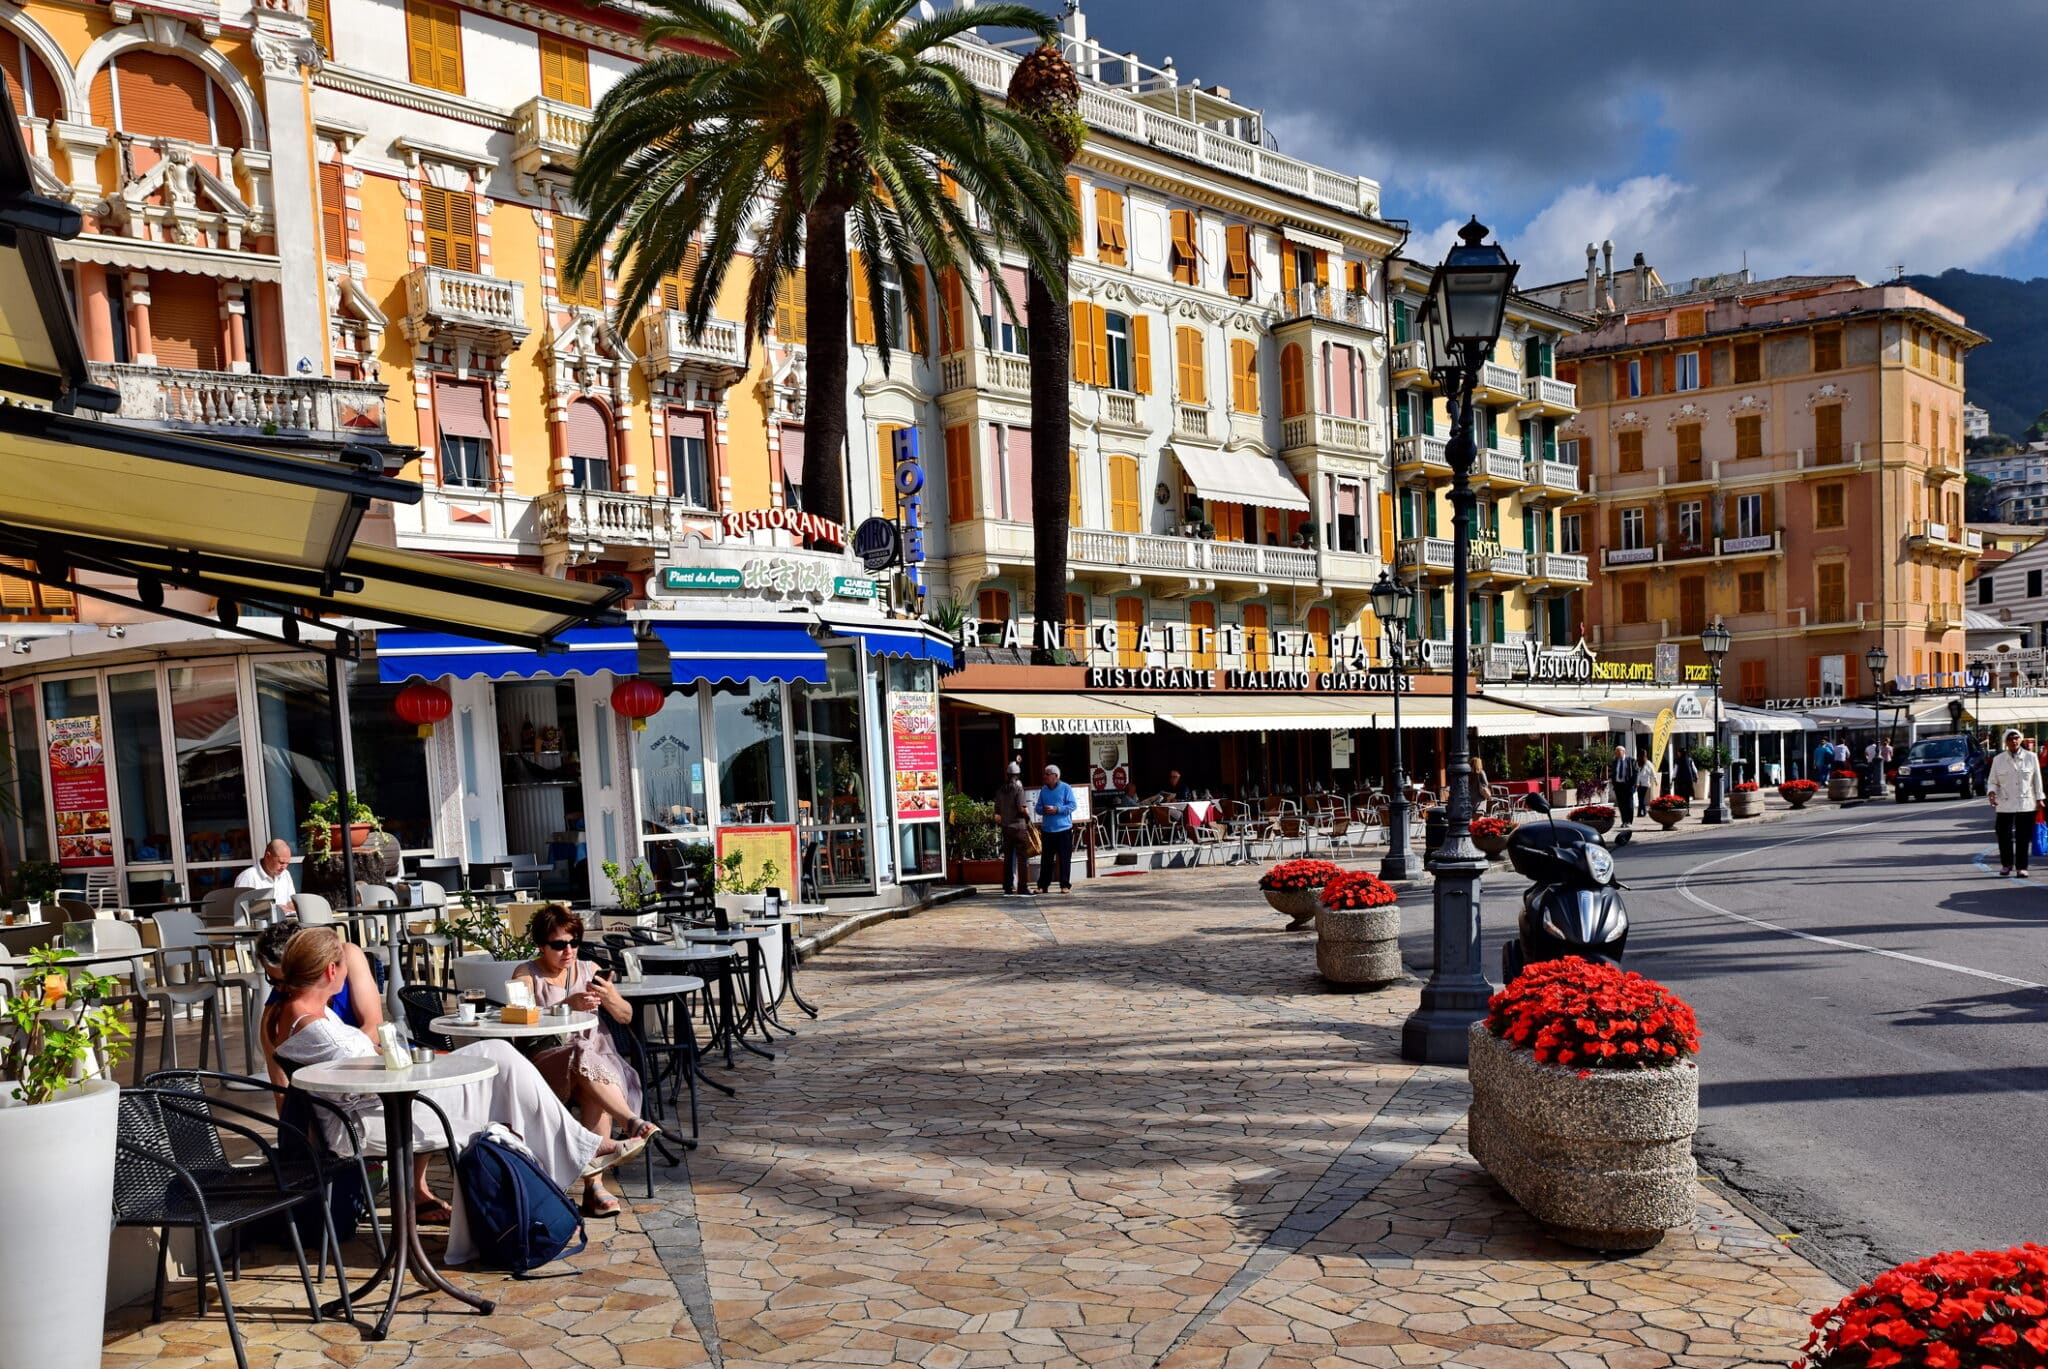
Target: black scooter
(1573, 907)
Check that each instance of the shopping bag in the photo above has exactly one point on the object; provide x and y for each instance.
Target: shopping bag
(1033, 844)
(2040, 838)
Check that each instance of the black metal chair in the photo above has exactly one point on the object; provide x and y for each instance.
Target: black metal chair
(423, 1003)
(165, 1176)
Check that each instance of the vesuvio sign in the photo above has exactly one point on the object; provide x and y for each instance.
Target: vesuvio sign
(796, 522)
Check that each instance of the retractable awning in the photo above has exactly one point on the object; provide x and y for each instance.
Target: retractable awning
(1494, 717)
(403, 655)
(1061, 715)
(903, 639)
(1207, 713)
(1242, 477)
(741, 651)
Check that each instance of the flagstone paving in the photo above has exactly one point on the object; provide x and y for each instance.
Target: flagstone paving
(1122, 1128)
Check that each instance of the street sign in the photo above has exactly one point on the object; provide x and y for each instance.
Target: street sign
(878, 544)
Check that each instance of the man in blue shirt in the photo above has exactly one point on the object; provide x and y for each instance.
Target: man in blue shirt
(1056, 806)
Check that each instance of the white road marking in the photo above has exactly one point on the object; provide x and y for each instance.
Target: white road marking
(1685, 891)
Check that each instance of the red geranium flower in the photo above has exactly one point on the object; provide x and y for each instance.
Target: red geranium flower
(1491, 827)
(1746, 787)
(1670, 803)
(1297, 876)
(1590, 812)
(1799, 787)
(1355, 889)
(1984, 1309)
(1574, 1010)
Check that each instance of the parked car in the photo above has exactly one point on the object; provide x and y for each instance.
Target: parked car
(1955, 765)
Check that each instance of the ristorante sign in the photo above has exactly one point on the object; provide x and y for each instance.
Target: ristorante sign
(1178, 679)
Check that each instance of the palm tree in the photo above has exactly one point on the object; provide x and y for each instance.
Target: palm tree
(1045, 91)
(817, 114)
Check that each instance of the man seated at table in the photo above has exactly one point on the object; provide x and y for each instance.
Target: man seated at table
(1177, 789)
(273, 872)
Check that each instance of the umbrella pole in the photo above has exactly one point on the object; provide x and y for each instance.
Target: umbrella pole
(344, 766)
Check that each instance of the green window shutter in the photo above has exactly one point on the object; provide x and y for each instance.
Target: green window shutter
(1557, 622)
(1550, 443)
(1400, 321)
(1492, 428)
(1436, 613)
(1529, 532)
(1549, 531)
(1408, 513)
(1475, 620)
(1428, 417)
(1401, 417)
(1500, 618)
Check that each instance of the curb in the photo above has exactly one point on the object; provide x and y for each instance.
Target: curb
(846, 927)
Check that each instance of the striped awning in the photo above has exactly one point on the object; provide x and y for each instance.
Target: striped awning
(741, 651)
(431, 655)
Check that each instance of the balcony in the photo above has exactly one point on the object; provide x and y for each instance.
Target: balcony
(591, 520)
(1622, 557)
(1328, 304)
(1502, 465)
(720, 354)
(1944, 617)
(999, 373)
(1946, 537)
(231, 405)
(1190, 563)
(547, 135)
(1410, 361)
(1498, 384)
(1193, 422)
(1550, 479)
(1561, 567)
(1547, 398)
(1422, 453)
(1328, 432)
(1121, 410)
(486, 311)
(1425, 553)
(1756, 544)
(1435, 653)
(1493, 561)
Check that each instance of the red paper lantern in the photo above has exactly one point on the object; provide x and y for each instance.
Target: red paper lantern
(638, 700)
(423, 705)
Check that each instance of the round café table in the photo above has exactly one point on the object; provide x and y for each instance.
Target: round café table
(403, 1254)
(646, 992)
(486, 1026)
(762, 984)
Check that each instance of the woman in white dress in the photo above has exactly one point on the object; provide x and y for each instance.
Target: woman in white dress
(304, 1031)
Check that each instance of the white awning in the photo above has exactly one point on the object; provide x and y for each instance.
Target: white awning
(1242, 477)
(1208, 713)
(1494, 717)
(1060, 715)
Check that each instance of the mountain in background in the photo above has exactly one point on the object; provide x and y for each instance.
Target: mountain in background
(2007, 376)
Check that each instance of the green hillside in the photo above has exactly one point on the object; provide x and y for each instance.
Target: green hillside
(2008, 376)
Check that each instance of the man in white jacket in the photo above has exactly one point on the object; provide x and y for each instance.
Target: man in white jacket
(2014, 786)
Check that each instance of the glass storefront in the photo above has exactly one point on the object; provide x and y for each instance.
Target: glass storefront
(391, 765)
(213, 787)
(832, 807)
(540, 761)
(298, 745)
(143, 805)
(753, 778)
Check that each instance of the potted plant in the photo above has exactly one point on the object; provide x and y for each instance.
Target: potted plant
(1798, 793)
(1295, 887)
(58, 1120)
(974, 840)
(633, 886)
(1842, 785)
(1597, 816)
(1745, 800)
(1358, 932)
(1491, 835)
(735, 890)
(1585, 1098)
(37, 882)
(1978, 1309)
(324, 821)
(1669, 810)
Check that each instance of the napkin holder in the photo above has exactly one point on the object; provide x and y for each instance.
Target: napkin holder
(392, 1047)
(520, 1009)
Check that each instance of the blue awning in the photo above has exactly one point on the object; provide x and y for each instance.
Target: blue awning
(430, 655)
(899, 639)
(741, 651)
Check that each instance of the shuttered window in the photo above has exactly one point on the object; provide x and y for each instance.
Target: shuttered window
(1749, 436)
(1244, 375)
(1827, 350)
(1125, 508)
(1111, 246)
(323, 25)
(1691, 463)
(29, 85)
(1258, 644)
(1635, 602)
(1692, 604)
(1202, 634)
(464, 431)
(1090, 324)
(1755, 679)
(1141, 353)
(858, 286)
(1073, 488)
(1831, 584)
(1830, 508)
(689, 458)
(564, 71)
(792, 310)
(952, 310)
(1077, 244)
(1237, 253)
(790, 443)
(333, 212)
(885, 469)
(450, 218)
(1293, 381)
(675, 287)
(1130, 621)
(433, 35)
(168, 97)
(1187, 354)
(1187, 257)
(590, 446)
(1750, 592)
(1749, 362)
(959, 473)
(588, 289)
(1827, 434)
(1077, 624)
(1628, 447)
(185, 321)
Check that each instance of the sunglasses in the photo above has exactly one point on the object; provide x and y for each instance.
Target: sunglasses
(566, 943)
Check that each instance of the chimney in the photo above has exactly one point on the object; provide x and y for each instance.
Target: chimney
(1592, 277)
(1607, 270)
(1642, 275)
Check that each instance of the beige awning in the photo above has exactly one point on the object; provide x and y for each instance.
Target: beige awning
(1259, 712)
(1242, 477)
(1060, 715)
(1494, 718)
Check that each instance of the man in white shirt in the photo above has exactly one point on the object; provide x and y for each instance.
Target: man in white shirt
(273, 872)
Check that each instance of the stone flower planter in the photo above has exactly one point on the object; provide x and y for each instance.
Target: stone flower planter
(1601, 825)
(1604, 1162)
(1667, 821)
(1494, 846)
(1299, 905)
(1359, 948)
(1798, 798)
(1841, 787)
(1746, 803)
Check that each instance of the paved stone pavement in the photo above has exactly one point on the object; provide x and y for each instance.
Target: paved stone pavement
(1122, 1128)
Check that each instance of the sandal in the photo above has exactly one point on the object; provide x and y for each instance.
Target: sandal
(626, 1150)
(640, 1129)
(433, 1212)
(597, 1202)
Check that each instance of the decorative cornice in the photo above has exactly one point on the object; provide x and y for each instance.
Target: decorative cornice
(370, 86)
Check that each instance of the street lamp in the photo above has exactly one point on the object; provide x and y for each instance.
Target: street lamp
(1391, 602)
(1714, 641)
(1461, 322)
(1876, 658)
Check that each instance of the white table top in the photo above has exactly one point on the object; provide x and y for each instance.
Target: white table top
(487, 1025)
(736, 934)
(83, 958)
(658, 986)
(366, 1074)
(650, 954)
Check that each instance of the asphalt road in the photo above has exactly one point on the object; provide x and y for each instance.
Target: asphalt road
(1874, 1004)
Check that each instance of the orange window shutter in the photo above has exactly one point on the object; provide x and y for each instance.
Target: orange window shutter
(333, 212)
(422, 62)
(1386, 514)
(1073, 488)
(1293, 384)
(1080, 323)
(1706, 367)
(1099, 337)
(863, 308)
(959, 474)
(165, 96)
(885, 468)
(462, 231)
(564, 71)
(1238, 250)
(434, 215)
(323, 24)
(1141, 353)
(1076, 243)
(914, 311)
(588, 289)
(1322, 268)
(1290, 271)
(1813, 677)
(448, 47)
(1670, 372)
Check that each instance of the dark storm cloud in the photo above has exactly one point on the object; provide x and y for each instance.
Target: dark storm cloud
(1836, 136)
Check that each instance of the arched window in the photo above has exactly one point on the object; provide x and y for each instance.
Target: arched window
(590, 446)
(162, 95)
(29, 83)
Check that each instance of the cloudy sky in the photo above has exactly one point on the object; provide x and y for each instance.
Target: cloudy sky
(1808, 134)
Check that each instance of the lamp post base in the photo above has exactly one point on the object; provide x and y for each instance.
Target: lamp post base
(1436, 1033)
(1401, 862)
(1717, 800)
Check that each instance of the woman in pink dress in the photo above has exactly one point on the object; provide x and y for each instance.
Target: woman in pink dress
(587, 1072)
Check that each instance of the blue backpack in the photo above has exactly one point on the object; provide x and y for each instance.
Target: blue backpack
(518, 1217)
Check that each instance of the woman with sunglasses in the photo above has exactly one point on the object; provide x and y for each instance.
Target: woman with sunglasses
(587, 1072)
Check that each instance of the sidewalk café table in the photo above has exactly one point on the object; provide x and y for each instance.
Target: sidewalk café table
(648, 991)
(790, 923)
(724, 1025)
(403, 1254)
(488, 1025)
(762, 988)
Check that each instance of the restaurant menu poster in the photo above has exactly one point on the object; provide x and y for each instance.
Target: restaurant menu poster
(78, 792)
(914, 753)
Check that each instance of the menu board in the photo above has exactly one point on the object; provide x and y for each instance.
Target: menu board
(78, 792)
(914, 752)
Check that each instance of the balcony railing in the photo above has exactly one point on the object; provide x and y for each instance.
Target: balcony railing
(977, 369)
(1191, 421)
(231, 402)
(1120, 410)
(1420, 449)
(1502, 380)
(1946, 536)
(722, 348)
(1549, 393)
(1411, 357)
(1505, 465)
(600, 517)
(486, 308)
(1558, 565)
(1430, 553)
(1326, 302)
(1500, 560)
(1144, 551)
(547, 133)
(1554, 475)
(1435, 653)
(1327, 431)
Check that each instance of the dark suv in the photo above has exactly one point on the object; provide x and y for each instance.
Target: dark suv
(1954, 764)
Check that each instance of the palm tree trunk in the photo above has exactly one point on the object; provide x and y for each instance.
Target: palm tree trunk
(825, 273)
(1052, 344)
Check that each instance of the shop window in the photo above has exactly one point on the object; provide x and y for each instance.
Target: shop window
(669, 757)
(464, 434)
(753, 784)
(212, 785)
(540, 760)
(137, 738)
(391, 765)
(293, 714)
(590, 447)
(831, 776)
(689, 459)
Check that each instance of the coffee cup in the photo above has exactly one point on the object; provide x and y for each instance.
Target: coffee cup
(465, 1011)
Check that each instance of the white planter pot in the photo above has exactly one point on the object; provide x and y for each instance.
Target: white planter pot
(64, 1147)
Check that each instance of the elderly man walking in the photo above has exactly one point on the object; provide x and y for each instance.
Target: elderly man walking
(2014, 786)
(1624, 774)
(1056, 808)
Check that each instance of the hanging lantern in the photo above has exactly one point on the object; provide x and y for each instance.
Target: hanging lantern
(423, 705)
(638, 700)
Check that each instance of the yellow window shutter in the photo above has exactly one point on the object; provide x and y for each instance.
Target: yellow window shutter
(1109, 226)
(434, 215)
(1078, 327)
(792, 309)
(589, 289)
(1238, 250)
(1076, 243)
(1073, 488)
(1322, 268)
(1141, 353)
(1290, 272)
(564, 71)
(885, 468)
(462, 231)
(551, 82)
(323, 25)
(421, 46)
(1099, 337)
(16, 594)
(863, 310)
(913, 307)
(447, 39)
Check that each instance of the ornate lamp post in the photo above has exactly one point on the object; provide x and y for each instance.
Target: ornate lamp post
(1714, 640)
(1461, 322)
(1391, 602)
(1876, 658)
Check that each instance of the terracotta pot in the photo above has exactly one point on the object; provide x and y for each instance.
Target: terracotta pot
(1603, 1162)
(358, 833)
(1359, 948)
(1298, 904)
(1746, 803)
